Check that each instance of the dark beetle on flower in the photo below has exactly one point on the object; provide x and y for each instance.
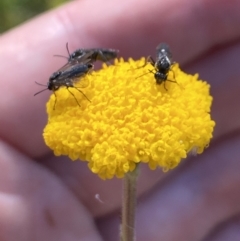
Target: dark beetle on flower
(103, 55)
(80, 62)
(67, 76)
(162, 65)
(90, 55)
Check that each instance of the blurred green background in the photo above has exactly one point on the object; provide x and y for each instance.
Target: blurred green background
(14, 12)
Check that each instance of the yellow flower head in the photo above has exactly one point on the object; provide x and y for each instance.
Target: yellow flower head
(130, 119)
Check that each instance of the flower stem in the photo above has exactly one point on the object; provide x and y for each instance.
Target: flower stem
(128, 206)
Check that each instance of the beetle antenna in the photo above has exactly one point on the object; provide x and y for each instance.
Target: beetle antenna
(40, 84)
(40, 91)
(68, 50)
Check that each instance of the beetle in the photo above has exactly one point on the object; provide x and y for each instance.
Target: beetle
(162, 65)
(67, 76)
(90, 55)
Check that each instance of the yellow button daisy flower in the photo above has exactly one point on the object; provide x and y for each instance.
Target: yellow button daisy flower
(130, 119)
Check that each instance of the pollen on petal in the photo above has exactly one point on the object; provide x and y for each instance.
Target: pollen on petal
(130, 119)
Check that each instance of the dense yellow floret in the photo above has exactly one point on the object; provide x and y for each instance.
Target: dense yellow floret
(130, 119)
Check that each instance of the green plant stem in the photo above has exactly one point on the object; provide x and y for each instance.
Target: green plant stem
(129, 206)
